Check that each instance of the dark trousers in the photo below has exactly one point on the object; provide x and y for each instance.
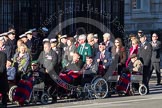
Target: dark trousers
(146, 76)
(120, 69)
(156, 67)
(18, 76)
(4, 99)
(87, 79)
(50, 82)
(4, 89)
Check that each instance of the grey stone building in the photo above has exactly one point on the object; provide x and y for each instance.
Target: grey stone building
(143, 14)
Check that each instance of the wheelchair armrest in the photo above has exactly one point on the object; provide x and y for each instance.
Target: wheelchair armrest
(136, 73)
(11, 81)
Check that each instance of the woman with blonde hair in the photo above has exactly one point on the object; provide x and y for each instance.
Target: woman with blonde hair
(133, 50)
(19, 43)
(21, 60)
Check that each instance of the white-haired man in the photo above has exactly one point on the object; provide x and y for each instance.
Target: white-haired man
(84, 48)
(108, 43)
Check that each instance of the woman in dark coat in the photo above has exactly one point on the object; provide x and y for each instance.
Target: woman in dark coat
(119, 49)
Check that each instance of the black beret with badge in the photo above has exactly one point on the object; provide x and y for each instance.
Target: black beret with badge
(140, 31)
(142, 35)
(102, 43)
(89, 57)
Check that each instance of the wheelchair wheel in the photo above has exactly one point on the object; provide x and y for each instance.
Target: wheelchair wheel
(100, 88)
(34, 100)
(51, 91)
(12, 92)
(142, 89)
(88, 91)
(44, 98)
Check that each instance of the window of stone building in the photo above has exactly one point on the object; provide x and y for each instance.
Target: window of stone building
(136, 4)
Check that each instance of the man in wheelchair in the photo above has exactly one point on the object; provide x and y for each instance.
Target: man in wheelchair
(71, 71)
(36, 73)
(137, 66)
(88, 71)
(28, 80)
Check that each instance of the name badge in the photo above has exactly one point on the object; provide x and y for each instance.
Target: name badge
(86, 47)
(36, 74)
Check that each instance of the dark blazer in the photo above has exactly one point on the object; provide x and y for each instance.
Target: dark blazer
(107, 59)
(62, 49)
(48, 61)
(155, 52)
(95, 49)
(121, 53)
(90, 70)
(145, 53)
(109, 46)
(69, 50)
(77, 66)
(12, 44)
(58, 52)
(3, 73)
(7, 50)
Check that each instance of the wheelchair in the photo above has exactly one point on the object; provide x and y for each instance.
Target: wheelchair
(34, 91)
(126, 84)
(98, 88)
(37, 94)
(136, 79)
(69, 82)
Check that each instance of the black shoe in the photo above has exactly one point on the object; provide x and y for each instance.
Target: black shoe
(54, 99)
(158, 84)
(3, 106)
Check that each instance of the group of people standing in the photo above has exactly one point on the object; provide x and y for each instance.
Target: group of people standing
(82, 53)
(16, 57)
(148, 53)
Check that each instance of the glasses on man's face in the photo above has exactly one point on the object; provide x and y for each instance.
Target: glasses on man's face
(153, 36)
(116, 42)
